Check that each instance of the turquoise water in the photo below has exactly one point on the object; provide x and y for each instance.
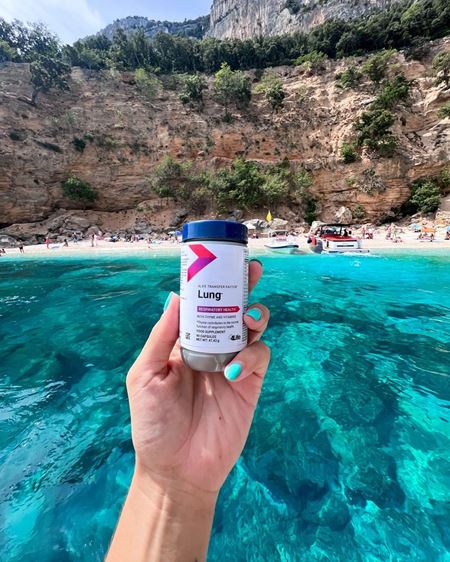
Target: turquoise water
(349, 455)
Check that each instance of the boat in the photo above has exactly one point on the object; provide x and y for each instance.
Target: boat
(282, 242)
(334, 239)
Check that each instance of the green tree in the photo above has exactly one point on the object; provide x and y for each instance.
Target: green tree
(313, 60)
(172, 179)
(147, 83)
(425, 196)
(192, 87)
(241, 185)
(350, 77)
(373, 129)
(394, 91)
(48, 73)
(231, 86)
(274, 189)
(302, 180)
(301, 183)
(7, 53)
(441, 66)
(376, 65)
(78, 190)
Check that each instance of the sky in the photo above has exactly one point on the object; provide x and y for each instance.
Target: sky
(73, 19)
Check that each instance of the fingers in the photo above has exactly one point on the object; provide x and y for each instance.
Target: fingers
(256, 319)
(254, 359)
(254, 273)
(157, 349)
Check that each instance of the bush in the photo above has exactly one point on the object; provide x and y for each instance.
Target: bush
(302, 181)
(231, 86)
(172, 179)
(393, 92)
(192, 86)
(78, 190)
(147, 83)
(312, 60)
(275, 189)
(373, 129)
(426, 196)
(200, 199)
(293, 6)
(272, 87)
(375, 67)
(444, 111)
(350, 77)
(359, 212)
(106, 142)
(241, 185)
(441, 66)
(79, 144)
(349, 153)
(443, 179)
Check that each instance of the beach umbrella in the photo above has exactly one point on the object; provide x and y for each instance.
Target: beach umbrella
(177, 232)
(448, 228)
(415, 226)
(269, 216)
(250, 226)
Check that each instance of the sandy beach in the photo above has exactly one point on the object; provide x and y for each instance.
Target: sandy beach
(256, 246)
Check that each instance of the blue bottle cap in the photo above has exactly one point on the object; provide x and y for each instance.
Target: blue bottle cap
(223, 231)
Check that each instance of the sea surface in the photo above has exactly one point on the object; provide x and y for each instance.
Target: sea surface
(349, 455)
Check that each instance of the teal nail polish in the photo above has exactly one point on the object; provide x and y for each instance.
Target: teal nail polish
(166, 304)
(233, 371)
(254, 313)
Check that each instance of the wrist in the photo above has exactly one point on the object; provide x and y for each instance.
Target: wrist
(172, 496)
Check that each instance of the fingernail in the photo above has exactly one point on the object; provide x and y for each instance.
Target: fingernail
(166, 304)
(254, 313)
(255, 259)
(233, 371)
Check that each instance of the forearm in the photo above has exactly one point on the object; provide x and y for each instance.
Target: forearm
(162, 523)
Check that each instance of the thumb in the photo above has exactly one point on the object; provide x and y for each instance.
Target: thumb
(157, 349)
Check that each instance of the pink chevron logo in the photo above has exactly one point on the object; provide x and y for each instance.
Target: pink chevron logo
(205, 257)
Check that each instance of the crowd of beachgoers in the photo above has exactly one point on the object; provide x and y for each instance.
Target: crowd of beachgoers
(420, 235)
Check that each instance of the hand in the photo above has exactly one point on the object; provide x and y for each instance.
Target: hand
(190, 427)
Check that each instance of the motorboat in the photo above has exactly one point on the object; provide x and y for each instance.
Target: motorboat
(334, 239)
(282, 242)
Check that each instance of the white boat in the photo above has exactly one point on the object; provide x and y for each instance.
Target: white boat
(334, 239)
(282, 242)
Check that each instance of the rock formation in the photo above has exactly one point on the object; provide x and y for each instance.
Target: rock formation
(244, 19)
(126, 136)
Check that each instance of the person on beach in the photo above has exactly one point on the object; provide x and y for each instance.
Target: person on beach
(47, 242)
(188, 430)
(21, 250)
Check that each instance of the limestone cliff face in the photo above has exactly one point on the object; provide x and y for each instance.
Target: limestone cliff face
(244, 19)
(127, 136)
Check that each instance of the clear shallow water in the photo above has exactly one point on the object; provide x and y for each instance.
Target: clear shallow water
(348, 458)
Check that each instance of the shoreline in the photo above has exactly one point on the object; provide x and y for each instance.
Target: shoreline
(142, 248)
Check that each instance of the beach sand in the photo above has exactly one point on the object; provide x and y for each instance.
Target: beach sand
(256, 246)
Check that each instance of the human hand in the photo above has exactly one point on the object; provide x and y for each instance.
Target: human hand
(190, 427)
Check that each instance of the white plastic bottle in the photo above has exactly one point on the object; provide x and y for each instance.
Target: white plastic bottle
(213, 293)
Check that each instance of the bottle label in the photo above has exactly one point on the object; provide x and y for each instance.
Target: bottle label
(213, 297)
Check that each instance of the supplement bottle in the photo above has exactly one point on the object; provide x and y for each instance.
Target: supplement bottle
(213, 293)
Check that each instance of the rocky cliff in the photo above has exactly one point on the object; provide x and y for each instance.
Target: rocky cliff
(126, 136)
(187, 28)
(244, 19)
